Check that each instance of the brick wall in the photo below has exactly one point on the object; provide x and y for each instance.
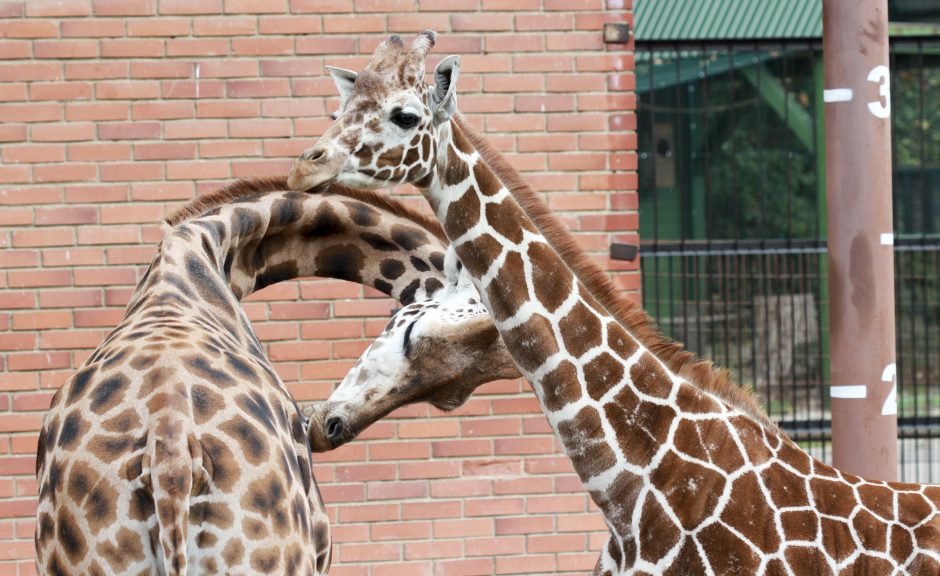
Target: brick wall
(114, 112)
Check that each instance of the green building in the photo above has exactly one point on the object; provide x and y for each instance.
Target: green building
(732, 201)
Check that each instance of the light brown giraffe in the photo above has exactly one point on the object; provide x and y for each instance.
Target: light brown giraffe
(689, 473)
(176, 448)
(437, 351)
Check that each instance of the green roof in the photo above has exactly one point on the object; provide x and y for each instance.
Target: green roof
(727, 19)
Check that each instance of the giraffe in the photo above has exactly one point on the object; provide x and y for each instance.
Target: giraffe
(690, 474)
(438, 351)
(176, 448)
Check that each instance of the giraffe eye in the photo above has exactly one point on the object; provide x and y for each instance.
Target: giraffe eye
(404, 119)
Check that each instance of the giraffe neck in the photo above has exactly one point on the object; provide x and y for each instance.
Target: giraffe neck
(281, 236)
(613, 404)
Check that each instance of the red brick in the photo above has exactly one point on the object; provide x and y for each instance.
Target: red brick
(95, 111)
(68, 257)
(319, 6)
(13, 92)
(501, 546)
(326, 45)
(192, 89)
(353, 24)
(46, 8)
(12, 133)
(197, 47)
(305, 67)
(130, 214)
(66, 215)
(95, 70)
(529, 564)
(226, 69)
(96, 193)
(10, 174)
(164, 151)
(108, 235)
(290, 25)
(92, 152)
(31, 195)
(64, 132)
(65, 339)
(150, 191)
(471, 567)
(124, 7)
(195, 129)
(38, 361)
(544, 22)
(127, 90)
(262, 46)
(64, 172)
(229, 148)
(29, 29)
(161, 69)
(397, 491)
(229, 26)
(516, 43)
(159, 27)
(199, 170)
(17, 341)
(352, 553)
(19, 258)
(433, 550)
(30, 72)
(33, 153)
(132, 48)
(257, 88)
(449, 5)
(480, 22)
(104, 318)
(30, 112)
(92, 28)
(190, 7)
(130, 171)
(60, 91)
(255, 6)
(15, 50)
(414, 22)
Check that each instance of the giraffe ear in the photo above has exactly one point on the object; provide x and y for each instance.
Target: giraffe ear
(444, 96)
(344, 80)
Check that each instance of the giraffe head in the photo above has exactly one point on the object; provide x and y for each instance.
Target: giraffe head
(437, 351)
(387, 127)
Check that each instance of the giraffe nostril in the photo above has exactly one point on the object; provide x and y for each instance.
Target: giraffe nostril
(335, 429)
(315, 154)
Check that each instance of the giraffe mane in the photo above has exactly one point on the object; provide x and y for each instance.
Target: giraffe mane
(252, 188)
(701, 373)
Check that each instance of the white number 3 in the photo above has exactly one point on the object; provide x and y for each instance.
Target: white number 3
(882, 76)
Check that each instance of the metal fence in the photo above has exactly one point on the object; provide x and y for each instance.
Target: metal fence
(732, 207)
(760, 308)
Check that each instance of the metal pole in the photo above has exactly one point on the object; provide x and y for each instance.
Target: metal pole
(861, 252)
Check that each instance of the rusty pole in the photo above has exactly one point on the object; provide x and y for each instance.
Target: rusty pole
(861, 253)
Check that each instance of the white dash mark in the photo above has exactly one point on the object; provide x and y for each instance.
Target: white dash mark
(848, 391)
(887, 239)
(837, 95)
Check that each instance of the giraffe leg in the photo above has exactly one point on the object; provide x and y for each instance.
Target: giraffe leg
(171, 476)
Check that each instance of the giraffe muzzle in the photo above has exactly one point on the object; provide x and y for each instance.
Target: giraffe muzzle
(328, 431)
(315, 166)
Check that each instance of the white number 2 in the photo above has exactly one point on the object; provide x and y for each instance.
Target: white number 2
(882, 76)
(890, 374)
